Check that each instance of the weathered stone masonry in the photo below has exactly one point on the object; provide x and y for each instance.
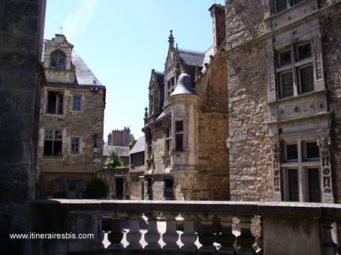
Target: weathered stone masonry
(263, 121)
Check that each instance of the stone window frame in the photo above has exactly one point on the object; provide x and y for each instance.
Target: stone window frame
(73, 108)
(59, 102)
(289, 4)
(302, 165)
(58, 60)
(179, 134)
(168, 139)
(53, 136)
(294, 68)
(78, 151)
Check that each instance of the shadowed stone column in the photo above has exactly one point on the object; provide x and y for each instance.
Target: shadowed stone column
(21, 31)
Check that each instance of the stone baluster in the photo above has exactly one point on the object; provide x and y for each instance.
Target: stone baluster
(134, 235)
(152, 236)
(170, 237)
(328, 245)
(188, 237)
(256, 231)
(245, 241)
(115, 236)
(205, 233)
(226, 238)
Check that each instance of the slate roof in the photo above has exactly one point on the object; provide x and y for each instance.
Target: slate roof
(84, 75)
(122, 151)
(184, 85)
(192, 58)
(139, 146)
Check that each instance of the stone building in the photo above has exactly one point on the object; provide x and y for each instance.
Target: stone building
(284, 87)
(71, 122)
(186, 156)
(137, 168)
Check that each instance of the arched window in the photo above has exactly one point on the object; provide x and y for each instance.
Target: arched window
(58, 60)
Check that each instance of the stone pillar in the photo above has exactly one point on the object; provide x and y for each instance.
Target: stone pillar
(21, 32)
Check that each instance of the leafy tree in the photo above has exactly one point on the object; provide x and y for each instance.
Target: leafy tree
(132, 142)
(96, 189)
(113, 160)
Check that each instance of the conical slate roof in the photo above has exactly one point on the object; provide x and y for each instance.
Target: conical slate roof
(184, 85)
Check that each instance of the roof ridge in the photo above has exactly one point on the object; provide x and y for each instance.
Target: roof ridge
(192, 51)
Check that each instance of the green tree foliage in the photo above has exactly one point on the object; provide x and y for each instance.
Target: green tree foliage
(132, 142)
(97, 189)
(113, 161)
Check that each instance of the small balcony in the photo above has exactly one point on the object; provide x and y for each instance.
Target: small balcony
(186, 227)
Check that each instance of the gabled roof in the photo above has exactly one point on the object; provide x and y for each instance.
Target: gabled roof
(139, 146)
(84, 75)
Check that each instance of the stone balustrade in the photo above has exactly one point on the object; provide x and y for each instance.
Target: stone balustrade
(187, 227)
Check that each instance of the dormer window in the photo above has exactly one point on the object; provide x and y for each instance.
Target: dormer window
(58, 60)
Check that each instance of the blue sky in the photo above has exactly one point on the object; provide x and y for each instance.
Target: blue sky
(121, 41)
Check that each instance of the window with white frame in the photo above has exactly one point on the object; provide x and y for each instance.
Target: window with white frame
(76, 102)
(54, 102)
(282, 5)
(295, 73)
(300, 168)
(53, 141)
(75, 145)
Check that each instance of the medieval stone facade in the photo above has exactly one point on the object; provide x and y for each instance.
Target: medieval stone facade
(71, 122)
(283, 61)
(186, 156)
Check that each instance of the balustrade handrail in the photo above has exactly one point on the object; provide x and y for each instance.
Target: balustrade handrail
(280, 209)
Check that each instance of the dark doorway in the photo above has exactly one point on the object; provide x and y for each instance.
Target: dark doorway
(119, 188)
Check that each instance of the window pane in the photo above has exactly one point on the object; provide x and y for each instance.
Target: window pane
(314, 185)
(179, 142)
(76, 106)
(293, 185)
(285, 58)
(48, 148)
(281, 5)
(57, 148)
(307, 79)
(74, 145)
(304, 51)
(51, 102)
(292, 151)
(287, 84)
(312, 150)
(179, 126)
(60, 104)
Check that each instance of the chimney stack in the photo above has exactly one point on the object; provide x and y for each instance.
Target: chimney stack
(218, 22)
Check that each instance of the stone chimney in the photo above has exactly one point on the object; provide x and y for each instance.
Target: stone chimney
(218, 23)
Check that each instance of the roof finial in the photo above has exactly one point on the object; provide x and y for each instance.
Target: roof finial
(61, 30)
(171, 39)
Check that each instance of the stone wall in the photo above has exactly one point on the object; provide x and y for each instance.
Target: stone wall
(213, 176)
(250, 147)
(331, 41)
(84, 124)
(21, 32)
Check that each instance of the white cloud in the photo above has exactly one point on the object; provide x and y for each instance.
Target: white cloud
(77, 23)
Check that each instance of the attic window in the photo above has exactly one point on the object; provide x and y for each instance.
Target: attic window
(58, 60)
